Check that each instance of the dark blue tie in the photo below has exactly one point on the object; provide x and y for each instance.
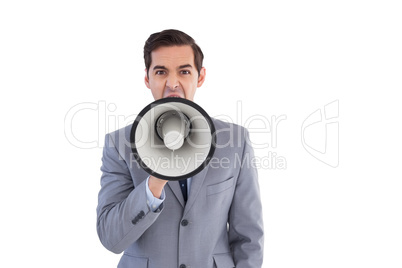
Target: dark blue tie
(183, 187)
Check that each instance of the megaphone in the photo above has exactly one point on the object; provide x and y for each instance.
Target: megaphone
(173, 139)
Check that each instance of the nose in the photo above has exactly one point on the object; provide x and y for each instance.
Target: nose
(172, 82)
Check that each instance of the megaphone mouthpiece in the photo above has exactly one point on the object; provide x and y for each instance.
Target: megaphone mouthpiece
(173, 127)
(173, 140)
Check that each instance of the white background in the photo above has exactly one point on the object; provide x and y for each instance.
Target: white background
(276, 57)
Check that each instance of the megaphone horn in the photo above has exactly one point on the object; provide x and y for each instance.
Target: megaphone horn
(173, 138)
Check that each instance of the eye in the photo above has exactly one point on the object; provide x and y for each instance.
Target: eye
(160, 72)
(185, 72)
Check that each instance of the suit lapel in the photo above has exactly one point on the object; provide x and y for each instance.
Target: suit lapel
(175, 187)
(196, 183)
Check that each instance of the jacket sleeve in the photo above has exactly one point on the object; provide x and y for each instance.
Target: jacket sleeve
(122, 213)
(246, 235)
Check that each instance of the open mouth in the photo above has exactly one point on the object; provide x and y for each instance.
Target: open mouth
(174, 96)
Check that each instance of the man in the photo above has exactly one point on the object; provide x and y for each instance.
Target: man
(220, 224)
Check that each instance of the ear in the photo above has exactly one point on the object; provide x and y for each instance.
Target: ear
(201, 77)
(146, 79)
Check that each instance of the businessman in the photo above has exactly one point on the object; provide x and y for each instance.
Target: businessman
(213, 219)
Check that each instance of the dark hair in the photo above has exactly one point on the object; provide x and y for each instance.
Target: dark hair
(168, 38)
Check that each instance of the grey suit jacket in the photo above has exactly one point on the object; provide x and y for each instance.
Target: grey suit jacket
(219, 226)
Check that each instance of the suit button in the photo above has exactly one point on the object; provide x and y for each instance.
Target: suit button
(141, 215)
(184, 223)
(182, 266)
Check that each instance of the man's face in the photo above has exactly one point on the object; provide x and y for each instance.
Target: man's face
(173, 73)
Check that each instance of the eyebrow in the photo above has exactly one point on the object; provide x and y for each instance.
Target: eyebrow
(185, 66)
(161, 67)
